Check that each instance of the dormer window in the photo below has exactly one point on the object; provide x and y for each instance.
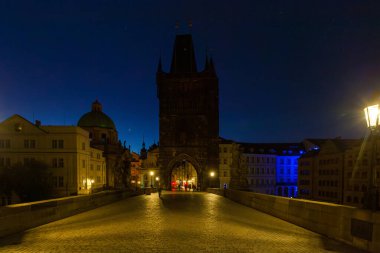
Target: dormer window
(18, 127)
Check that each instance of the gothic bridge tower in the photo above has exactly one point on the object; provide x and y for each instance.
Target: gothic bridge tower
(188, 120)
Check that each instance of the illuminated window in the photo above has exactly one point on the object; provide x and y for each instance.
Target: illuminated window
(60, 163)
(57, 144)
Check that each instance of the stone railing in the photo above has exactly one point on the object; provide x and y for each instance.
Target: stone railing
(20, 217)
(354, 226)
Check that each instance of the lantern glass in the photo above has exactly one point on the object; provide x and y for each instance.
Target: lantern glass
(372, 115)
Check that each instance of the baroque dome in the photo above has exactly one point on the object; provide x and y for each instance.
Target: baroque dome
(96, 118)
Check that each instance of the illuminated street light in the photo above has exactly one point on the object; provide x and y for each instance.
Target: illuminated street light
(212, 175)
(372, 118)
(157, 181)
(151, 178)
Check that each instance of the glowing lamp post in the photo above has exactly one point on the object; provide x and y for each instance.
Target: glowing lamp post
(372, 118)
(212, 175)
(151, 178)
(157, 181)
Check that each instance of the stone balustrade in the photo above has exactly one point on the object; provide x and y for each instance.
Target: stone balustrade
(20, 217)
(354, 226)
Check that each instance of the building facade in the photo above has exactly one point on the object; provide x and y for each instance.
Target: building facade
(75, 166)
(361, 168)
(337, 172)
(150, 166)
(188, 118)
(273, 167)
(306, 164)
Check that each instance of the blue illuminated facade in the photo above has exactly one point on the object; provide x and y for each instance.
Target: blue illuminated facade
(287, 175)
(273, 167)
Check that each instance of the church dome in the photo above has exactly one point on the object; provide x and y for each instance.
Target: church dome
(96, 118)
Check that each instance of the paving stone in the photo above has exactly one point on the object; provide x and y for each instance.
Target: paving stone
(176, 222)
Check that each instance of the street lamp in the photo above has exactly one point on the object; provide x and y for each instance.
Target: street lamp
(212, 175)
(151, 178)
(157, 179)
(372, 118)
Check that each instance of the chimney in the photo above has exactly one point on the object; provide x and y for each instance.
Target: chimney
(38, 123)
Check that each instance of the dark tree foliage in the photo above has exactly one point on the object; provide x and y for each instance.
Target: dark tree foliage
(122, 171)
(6, 184)
(29, 181)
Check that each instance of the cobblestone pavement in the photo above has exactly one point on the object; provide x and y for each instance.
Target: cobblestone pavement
(178, 222)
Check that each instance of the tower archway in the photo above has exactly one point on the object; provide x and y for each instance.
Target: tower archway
(183, 174)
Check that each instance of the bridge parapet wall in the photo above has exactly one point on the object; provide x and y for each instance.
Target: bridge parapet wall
(20, 217)
(354, 226)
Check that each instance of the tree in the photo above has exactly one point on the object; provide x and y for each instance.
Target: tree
(29, 180)
(6, 184)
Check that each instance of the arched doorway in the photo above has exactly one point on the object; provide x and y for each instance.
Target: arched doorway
(184, 177)
(184, 174)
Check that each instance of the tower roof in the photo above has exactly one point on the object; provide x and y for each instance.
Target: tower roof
(96, 118)
(183, 60)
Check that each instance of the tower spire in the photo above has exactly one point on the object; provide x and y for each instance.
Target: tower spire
(143, 152)
(183, 60)
(212, 67)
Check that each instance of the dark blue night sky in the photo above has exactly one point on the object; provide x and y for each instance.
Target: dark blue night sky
(288, 70)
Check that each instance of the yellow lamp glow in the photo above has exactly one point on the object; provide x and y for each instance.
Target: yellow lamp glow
(212, 173)
(372, 116)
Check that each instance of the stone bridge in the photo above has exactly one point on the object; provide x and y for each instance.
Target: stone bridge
(176, 222)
